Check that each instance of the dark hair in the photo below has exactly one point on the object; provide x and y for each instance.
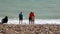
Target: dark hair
(6, 16)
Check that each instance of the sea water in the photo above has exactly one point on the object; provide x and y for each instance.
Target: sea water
(43, 9)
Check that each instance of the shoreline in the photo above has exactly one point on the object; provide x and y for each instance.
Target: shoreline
(37, 21)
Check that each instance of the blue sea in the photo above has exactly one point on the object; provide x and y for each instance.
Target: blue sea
(43, 9)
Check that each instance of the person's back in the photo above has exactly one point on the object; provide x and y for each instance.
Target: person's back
(31, 17)
(20, 17)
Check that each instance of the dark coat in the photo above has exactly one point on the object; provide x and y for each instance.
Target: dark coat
(5, 20)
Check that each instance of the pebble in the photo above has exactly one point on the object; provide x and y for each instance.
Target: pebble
(30, 29)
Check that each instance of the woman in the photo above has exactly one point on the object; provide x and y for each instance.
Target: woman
(31, 18)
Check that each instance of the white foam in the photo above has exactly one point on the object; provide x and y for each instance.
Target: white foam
(37, 21)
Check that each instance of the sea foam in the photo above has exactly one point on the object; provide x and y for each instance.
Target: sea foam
(37, 21)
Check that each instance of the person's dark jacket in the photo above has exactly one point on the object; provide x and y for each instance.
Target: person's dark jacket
(21, 15)
(5, 20)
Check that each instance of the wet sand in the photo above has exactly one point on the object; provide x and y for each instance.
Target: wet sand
(29, 29)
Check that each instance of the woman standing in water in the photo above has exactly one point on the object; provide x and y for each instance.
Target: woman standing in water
(31, 17)
(20, 18)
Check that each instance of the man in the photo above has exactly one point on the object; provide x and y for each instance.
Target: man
(31, 18)
(20, 18)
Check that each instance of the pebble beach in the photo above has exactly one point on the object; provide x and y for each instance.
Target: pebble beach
(29, 29)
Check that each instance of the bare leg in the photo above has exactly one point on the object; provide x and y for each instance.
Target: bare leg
(19, 21)
(29, 22)
(33, 22)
